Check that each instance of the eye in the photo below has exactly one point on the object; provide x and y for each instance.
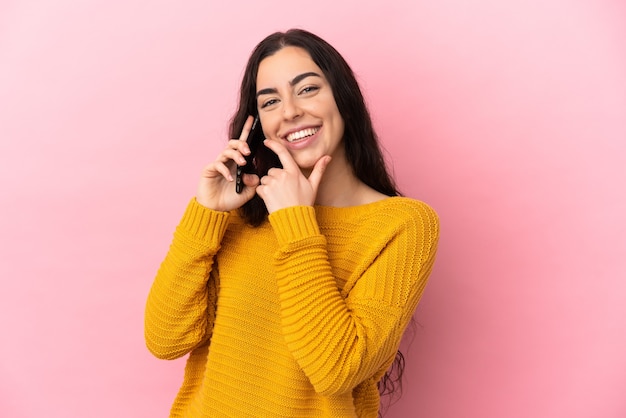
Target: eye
(309, 89)
(268, 102)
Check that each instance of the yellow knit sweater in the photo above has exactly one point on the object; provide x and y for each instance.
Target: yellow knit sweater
(299, 317)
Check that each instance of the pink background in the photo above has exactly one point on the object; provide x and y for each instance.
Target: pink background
(509, 117)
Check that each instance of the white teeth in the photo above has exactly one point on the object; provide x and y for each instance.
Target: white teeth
(301, 134)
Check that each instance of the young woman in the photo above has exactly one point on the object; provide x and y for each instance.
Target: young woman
(291, 297)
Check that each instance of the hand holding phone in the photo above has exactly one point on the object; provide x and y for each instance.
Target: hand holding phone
(255, 138)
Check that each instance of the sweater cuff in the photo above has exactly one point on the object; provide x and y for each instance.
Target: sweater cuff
(294, 223)
(202, 223)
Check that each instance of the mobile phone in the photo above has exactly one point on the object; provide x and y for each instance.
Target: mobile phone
(255, 138)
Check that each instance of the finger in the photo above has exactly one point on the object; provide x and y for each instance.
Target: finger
(283, 154)
(251, 181)
(318, 171)
(223, 170)
(239, 145)
(260, 190)
(273, 171)
(231, 154)
(246, 129)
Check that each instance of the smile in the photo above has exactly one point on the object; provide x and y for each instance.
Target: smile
(295, 136)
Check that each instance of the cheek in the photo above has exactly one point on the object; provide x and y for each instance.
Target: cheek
(269, 126)
(333, 113)
(339, 122)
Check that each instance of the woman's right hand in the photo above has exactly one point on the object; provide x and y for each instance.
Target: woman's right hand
(217, 184)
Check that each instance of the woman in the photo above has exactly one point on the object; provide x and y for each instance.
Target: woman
(292, 296)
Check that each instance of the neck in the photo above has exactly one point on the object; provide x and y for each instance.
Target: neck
(339, 186)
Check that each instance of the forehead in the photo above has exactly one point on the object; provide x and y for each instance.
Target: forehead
(284, 65)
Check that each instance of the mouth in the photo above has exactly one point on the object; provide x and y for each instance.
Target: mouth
(301, 134)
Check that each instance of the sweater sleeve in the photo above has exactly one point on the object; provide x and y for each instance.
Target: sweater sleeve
(180, 309)
(341, 338)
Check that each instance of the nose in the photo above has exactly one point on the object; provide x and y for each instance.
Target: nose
(291, 110)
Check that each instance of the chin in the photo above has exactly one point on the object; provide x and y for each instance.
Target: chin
(307, 162)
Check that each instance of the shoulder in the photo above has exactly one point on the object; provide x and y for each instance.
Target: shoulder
(406, 214)
(400, 209)
(405, 206)
(390, 213)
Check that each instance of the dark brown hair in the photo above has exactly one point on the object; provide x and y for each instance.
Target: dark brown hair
(361, 142)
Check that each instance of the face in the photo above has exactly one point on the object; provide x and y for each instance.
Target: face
(297, 108)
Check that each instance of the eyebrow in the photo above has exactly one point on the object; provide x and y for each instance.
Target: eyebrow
(292, 83)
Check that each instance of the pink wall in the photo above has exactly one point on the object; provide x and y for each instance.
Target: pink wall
(508, 117)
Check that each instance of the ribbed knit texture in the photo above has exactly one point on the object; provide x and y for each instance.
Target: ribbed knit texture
(299, 317)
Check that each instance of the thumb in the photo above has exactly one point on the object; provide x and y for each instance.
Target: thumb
(250, 181)
(318, 171)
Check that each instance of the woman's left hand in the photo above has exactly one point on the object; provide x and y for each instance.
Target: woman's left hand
(285, 187)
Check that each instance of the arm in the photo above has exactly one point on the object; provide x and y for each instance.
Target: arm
(341, 338)
(181, 304)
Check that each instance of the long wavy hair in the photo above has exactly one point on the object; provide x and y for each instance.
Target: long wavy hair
(363, 151)
(361, 142)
